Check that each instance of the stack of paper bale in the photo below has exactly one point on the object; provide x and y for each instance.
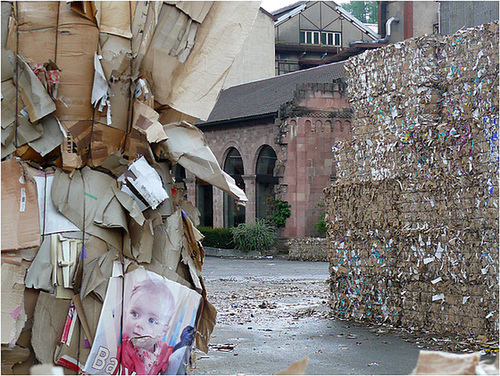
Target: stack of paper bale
(97, 104)
(413, 218)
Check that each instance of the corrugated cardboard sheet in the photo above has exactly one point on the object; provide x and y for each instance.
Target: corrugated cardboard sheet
(91, 91)
(413, 216)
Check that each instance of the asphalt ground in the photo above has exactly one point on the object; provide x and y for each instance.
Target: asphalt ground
(272, 312)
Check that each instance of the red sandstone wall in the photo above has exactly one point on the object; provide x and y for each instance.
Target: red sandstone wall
(308, 167)
(248, 138)
(304, 150)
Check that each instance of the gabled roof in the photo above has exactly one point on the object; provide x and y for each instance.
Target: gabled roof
(264, 97)
(287, 8)
(289, 11)
(294, 9)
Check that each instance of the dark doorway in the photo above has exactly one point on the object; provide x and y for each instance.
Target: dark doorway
(265, 182)
(234, 214)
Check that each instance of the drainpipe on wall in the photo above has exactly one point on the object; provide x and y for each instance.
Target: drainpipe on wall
(439, 17)
(388, 30)
(388, 33)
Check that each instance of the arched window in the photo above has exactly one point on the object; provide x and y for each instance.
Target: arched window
(319, 126)
(308, 127)
(205, 203)
(338, 125)
(233, 165)
(265, 182)
(328, 126)
(346, 127)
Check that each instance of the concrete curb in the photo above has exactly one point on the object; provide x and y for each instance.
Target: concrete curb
(234, 253)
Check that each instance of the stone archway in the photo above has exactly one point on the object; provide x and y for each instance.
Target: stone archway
(233, 165)
(265, 182)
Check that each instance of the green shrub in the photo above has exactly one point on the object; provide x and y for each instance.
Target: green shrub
(281, 212)
(217, 237)
(257, 236)
(320, 227)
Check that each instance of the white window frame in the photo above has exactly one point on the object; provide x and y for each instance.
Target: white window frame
(334, 38)
(310, 35)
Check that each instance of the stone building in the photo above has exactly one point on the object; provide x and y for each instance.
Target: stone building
(312, 33)
(274, 137)
(417, 18)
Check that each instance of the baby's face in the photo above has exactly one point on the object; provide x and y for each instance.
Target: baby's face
(144, 318)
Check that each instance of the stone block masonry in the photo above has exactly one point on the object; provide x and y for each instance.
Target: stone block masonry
(308, 249)
(413, 217)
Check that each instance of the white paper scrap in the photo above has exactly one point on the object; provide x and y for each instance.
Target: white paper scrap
(428, 260)
(438, 279)
(437, 297)
(146, 182)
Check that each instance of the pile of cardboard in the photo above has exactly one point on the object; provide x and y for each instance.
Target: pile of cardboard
(413, 218)
(97, 100)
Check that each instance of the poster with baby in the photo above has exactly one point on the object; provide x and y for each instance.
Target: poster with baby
(146, 326)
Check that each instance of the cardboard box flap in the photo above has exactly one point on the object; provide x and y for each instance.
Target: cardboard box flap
(188, 147)
(20, 221)
(442, 363)
(48, 325)
(175, 33)
(51, 221)
(205, 322)
(91, 185)
(196, 10)
(146, 122)
(38, 102)
(84, 8)
(39, 274)
(9, 103)
(193, 237)
(110, 212)
(116, 164)
(192, 87)
(7, 150)
(96, 274)
(141, 241)
(113, 17)
(8, 135)
(130, 205)
(191, 211)
(7, 72)
(74, 346)
(28, 132)
(166, 257)
(13, 314)
(136, 144)
(143, 28)
(51, 138)
(12, 356)
(6, 13)
(100, 88)
(116, 57)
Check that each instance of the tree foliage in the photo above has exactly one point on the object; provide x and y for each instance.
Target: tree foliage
(365, 11)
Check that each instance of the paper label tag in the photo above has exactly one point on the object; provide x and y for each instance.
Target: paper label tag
(22, 206)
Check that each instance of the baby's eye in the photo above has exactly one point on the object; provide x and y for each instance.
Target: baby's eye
(134, 314)
(152, 321)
